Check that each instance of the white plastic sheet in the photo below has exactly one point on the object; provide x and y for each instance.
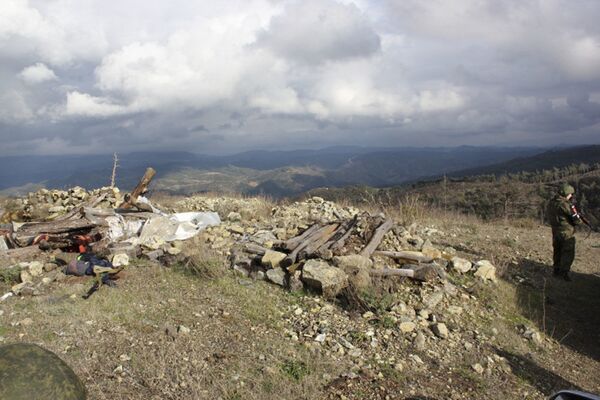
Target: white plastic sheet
(180, 226)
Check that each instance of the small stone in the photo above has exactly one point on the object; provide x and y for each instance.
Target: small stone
(440, 330)
(277, 276)
(272, 259)
(460, 265)
(36, 268)
(173, 250)
(234, 216)
(456, 310)
(320, 338)
(26, 277)
(407, 327)
(50, 267)
(119, 260)
(184, 330)
(433, 299)
(485, 270)
(477, 368)
(419, 341)
(171, 331)
(241, 271)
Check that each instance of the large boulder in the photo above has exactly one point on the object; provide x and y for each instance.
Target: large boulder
(321, 276)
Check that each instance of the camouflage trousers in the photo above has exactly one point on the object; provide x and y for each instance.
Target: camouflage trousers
(564, 251)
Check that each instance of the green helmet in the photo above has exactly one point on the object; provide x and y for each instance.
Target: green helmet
(566, 189)
(27, 371)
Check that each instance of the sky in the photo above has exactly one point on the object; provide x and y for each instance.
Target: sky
(98, 76)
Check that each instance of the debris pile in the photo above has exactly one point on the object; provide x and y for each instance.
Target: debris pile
(319, 246)
(50, 204)
(105, 231)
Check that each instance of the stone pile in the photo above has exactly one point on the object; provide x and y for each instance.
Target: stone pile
(261, 249)
(49, 204)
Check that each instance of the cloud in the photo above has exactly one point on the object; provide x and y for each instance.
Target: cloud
(37, 73)
(83, 104)
(294, 73)
(315, 31)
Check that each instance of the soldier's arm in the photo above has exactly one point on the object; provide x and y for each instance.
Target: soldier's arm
(574, 217)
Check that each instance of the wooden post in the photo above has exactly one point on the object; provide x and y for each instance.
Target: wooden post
(377, 238)
(141, 187)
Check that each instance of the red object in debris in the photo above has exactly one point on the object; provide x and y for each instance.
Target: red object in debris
(82, 242)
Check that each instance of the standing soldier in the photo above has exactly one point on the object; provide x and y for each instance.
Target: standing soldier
(563, 217)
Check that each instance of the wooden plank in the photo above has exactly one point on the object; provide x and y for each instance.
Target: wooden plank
(293, 256)
(407, 256)
(292, 243)
(377, 238)
(312, 247)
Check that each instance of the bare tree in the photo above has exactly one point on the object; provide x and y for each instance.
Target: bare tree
(114, 170)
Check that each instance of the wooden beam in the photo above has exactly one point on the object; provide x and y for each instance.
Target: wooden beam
(141, 187)
(377, 238)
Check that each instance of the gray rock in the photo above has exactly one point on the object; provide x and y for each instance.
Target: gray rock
(234, 216)
(321, 276)
(419, 341)
(25, 277)
(440, 330)
(272, 259)
(460, 265)
(353, 261)
(357, 268)
(277, 276)
(36, 268)
(121, 259)
(433, 299)
(485, 270)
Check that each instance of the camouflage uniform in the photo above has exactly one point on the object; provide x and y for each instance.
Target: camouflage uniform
(563, 222)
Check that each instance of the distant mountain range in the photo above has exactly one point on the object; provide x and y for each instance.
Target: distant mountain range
(275, 173)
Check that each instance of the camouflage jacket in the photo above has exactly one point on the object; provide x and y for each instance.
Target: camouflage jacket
(561, 217)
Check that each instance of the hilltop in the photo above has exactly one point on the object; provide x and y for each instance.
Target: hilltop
(198, 324)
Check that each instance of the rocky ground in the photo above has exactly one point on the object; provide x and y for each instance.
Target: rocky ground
(208, 328)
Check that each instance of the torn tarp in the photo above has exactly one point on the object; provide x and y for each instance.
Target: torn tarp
(181, 226)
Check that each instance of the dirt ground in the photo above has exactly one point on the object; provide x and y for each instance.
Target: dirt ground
(165, 333)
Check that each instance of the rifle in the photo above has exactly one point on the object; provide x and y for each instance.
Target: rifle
(576, 215)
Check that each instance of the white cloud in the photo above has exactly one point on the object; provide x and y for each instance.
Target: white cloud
(37, 73)
(82, 104)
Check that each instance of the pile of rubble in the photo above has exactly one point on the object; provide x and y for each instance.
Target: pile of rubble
(313, 244)
(49, 204)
